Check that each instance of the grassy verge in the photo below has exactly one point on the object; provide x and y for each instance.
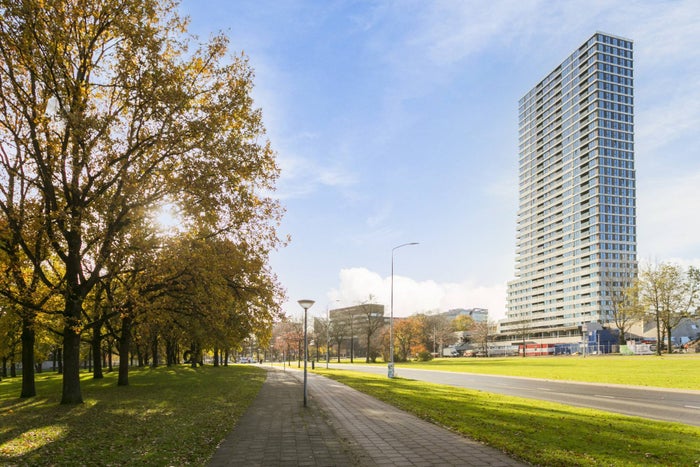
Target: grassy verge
(538, 432)
(166, 416)
(678, 371)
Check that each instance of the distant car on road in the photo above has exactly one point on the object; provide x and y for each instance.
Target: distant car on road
(245, 360)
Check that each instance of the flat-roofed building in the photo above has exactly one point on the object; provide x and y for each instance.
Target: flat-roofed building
(576, 223)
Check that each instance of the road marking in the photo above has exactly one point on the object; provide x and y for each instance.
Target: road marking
(691, 407)
(605, 397)
(543, 389)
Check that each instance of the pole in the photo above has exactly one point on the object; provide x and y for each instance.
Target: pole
(328, 335)
(306, 355)
(391, 321)
(305, 304)
(391, 318)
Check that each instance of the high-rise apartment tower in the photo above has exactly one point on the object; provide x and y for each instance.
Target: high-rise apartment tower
(576, 228)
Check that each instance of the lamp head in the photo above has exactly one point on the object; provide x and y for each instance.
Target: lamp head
(306, 304)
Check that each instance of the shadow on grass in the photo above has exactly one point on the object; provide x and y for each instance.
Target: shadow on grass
(167, 416)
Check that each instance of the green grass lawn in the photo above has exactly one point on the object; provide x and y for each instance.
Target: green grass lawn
(178, 415)
(166, 416)
(542, 433)
(680, 371)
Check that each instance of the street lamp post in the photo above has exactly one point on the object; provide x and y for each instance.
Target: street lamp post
(391, 319)
(305, 304)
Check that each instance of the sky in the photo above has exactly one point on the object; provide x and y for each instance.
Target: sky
(397, 122)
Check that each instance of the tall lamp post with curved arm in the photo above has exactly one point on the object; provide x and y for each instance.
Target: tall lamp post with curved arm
(305, 304)
(391, 319)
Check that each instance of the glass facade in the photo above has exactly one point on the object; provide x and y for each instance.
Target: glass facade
(576, 226)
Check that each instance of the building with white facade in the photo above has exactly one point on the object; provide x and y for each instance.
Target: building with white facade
(576, 223)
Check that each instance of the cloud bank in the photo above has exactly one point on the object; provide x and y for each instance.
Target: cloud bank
(412, 296)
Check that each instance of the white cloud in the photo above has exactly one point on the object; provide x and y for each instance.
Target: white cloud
(302, 176)
(411, 296)
(454, 30)
(669, 216)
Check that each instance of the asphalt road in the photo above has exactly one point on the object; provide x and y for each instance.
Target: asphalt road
(671, 405)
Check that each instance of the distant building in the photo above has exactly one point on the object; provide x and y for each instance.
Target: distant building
(576, 225)
(358, 314)
(479, 315)
(354, 323)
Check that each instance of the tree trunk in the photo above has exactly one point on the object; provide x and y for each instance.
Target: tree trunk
(194, 357)
(352, 349)
(669, 339)
(124, 345)
(28, 338)
(71, 364)
(369, 337)
(59, 359)
(96, 344)
(154, 350)
(170, 352)
(659, 339)
(139, 356)
(216, 356)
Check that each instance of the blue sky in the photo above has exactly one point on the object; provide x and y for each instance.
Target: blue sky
(396, 121)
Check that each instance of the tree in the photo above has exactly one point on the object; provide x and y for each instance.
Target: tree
(373, 321)
(406, 337)
(23, 251)
(524, 330)
(338, 331)
(463, 323)
(481, 334)
(670, 293)
(441, 332)
(627, 307)
(104, 112)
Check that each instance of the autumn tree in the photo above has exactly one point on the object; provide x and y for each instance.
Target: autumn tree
(627, 308)
(406, 336)
(105, 111)
(23, 252)
(463, 323)
(670, 293)
(10, 331)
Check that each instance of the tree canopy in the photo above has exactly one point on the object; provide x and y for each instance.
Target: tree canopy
(108, 109)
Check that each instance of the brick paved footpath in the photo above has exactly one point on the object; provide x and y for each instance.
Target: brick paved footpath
(340, 427)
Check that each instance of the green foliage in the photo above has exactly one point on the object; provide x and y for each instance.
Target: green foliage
(424, 356)
(670, 293)
(538, 432)
(463, 323)
(173, 416)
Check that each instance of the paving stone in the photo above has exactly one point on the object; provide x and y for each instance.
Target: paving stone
(340, 427)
